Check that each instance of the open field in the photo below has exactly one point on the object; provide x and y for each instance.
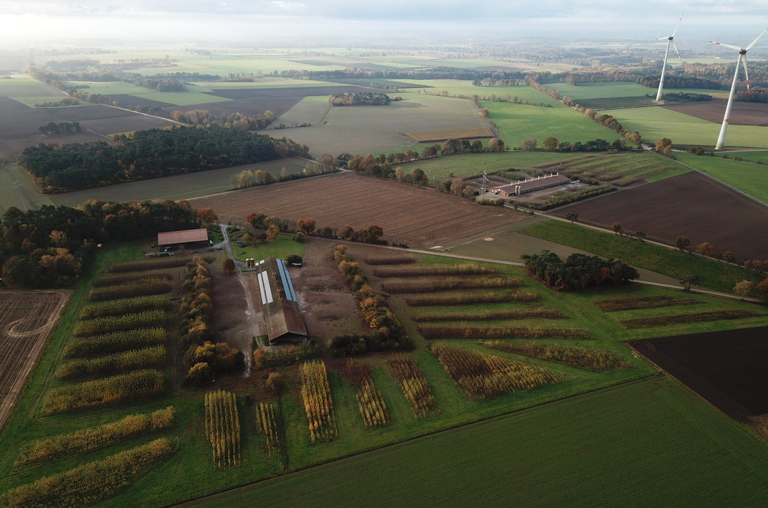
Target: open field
(456, 87)
(516, 123)
(680, 265)
(657, 123)
(750, 156)
(670, 444)
(749, 178)
(27, 319)
(605, 90)
(742, 113)
(309, 110)
(691, 205)
(363, 129)
(426, 136)
(723, 367)
(411, 215)
(190, 185)
(620, 169)
(33, 198)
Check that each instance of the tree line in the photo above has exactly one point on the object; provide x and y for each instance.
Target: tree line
(578, 271)
(60, 128)
(151, 154)
(54, 245)
(359, 99)
(235, 120)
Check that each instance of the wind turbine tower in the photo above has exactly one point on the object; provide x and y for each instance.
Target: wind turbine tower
(742, 59)
(670, 41)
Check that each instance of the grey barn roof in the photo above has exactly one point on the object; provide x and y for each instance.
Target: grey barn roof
(278, 300)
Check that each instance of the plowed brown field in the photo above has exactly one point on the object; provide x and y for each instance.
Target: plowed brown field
(26, 321)
(743, 113)
(691, 205)
(418, 217)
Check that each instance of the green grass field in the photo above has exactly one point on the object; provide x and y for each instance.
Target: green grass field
(20, 80)
(609, 89)
(651, 442)
(656, 123)
(457, 87)
(10, 173)
(714, 275)
(516, 123)
(283, 246)
(748, 177)
(309, 110)
(750, 156)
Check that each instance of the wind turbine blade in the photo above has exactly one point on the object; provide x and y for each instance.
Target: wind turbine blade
(755, 41)
(746, 72)
(727, 45)
(678, 52)
(678, 24)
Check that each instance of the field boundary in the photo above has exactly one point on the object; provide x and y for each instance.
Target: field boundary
(619, 384)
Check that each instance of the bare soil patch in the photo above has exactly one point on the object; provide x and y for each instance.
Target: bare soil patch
(27, 319)
(248, 106)
(691, 205)
(742, 113)
(726, 368)
(412, 215)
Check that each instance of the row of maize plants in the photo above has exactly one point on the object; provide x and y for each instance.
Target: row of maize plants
(222, 427)
(369, 399)
(318, 403)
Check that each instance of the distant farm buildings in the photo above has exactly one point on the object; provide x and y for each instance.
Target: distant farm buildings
(278, 302)
(183, 239)
(534, 184)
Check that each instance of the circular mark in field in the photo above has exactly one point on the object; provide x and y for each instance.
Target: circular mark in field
(489, 239)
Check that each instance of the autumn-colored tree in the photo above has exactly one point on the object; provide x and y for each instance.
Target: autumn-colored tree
(59, 238)
(307, 225)
(199, 375)
(551, 144)
(616, 227)
(272, 232)
(207, 215)
(400, 174)
(682, 242)
(275, 383)
(347, 232)
(419, 177)
(728, 256)
(705, 249)
(529, 144)
(228, 265)
(743, 288)
(456, 186)
(662, 144)
(762, 289)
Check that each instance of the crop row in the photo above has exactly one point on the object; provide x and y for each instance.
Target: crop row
(128, 278)
(492, 315)
(421, 271)
(445, 284)
(369, 399)
(145, 358)
(96, 438)
(109, 324)
(470, 298)
(414, 387)
(689, 318)
(116, 342)
(499, 332)
(91, 482)
(222, 426)
(112, 390)
(643, 302)
(124, 306)
(600, 360)
(265, 418)
(484, 376)
(318, 404)
(391, 260)
(141, 288)
(155, 264)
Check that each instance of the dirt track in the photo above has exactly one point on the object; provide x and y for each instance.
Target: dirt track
(27, 319)
(418, 217)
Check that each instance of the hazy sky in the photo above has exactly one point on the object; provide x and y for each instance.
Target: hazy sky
(134, 20)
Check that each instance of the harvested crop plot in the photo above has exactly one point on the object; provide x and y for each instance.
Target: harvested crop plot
(484, 376)
(411, 215)
(727, 368)
(600, 360)
(414, 386)
(643, 302)
(621, 170)
(742, 113)
(26, 321)
(693, 317)
(749, 178)
(691, 205)
(426, 136)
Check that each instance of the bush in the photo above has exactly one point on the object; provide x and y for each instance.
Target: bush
(300, 237)
(200, 374)
(294, 260)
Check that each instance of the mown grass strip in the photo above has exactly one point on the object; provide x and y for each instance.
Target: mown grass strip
(689, 318)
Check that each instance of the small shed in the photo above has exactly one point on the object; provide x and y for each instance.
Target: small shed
(278, 302)
(183, 239)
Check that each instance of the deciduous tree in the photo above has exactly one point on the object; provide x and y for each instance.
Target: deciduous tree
(743, 288)
(228, 265)
(705, 249)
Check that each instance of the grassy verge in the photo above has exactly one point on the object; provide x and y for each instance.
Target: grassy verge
(749, 178)
(714, 275)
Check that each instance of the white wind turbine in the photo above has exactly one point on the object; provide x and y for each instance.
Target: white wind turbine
(742, 58)
(670, 40)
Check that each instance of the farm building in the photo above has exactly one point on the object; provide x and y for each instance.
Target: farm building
(183, 239)
(278, 302)
(534, 184)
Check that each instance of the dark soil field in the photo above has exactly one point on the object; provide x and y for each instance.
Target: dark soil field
(418, 217)
(726, 368)
(691, 205)
(743, 113)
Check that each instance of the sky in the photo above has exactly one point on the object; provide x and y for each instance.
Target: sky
(49, 21)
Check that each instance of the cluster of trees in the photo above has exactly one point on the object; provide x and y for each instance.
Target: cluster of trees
(386, 331)
(578, 271)
(437, 72)
(751, 96)
(61, 128)
(235, 120)
(52, 246)
(150, 154)
(359, 99)
(161, 85)
(66, 101)
(687, 97)
(249, 178)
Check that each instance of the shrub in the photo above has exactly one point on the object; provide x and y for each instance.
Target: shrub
(300, 237)
(294, 259)
(199, 375)
(116, 342)
(111, 390)
(113, 364)
(91, 482)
